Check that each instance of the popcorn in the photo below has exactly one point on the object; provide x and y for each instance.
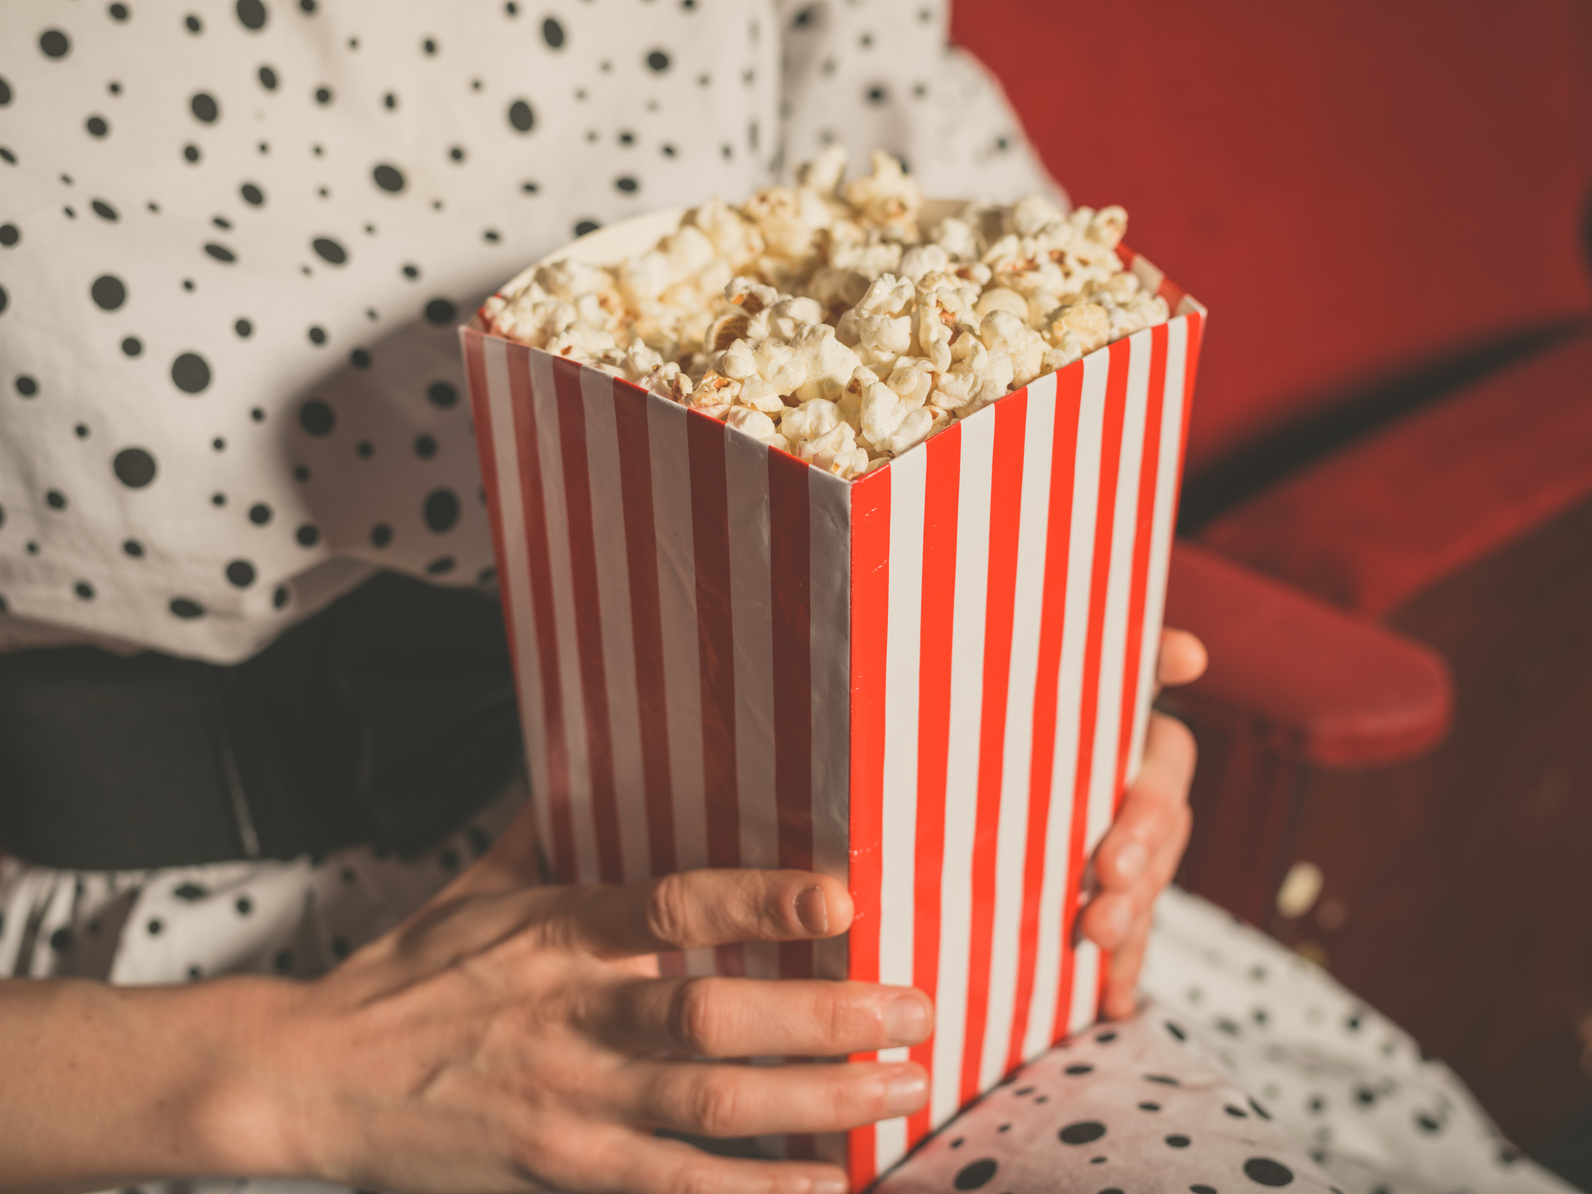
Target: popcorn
(826, 320)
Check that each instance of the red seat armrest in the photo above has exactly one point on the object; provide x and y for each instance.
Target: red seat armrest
(1351, 693)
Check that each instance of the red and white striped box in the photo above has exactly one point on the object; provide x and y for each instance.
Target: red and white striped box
(931, 682)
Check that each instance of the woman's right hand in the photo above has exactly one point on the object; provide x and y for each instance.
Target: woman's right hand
(511, 1037)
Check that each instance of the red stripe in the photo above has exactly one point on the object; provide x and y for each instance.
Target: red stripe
(646, 621)
(1058, 534)
(790, 561)
(588, 616)
(1191, 360)
(1005, 510)
(481, 409)
(941, 501)
(1089, 709)
(870, 619)
(540, 567)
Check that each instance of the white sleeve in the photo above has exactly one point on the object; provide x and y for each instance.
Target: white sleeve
(879, 74)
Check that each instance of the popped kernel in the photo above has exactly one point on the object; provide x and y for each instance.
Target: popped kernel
(826, 320)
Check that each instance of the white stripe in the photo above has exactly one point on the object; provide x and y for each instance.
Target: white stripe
(829, 596)
(1172, 413)
(517, 572)
(561, 580)
(898, 813)
(961, 764)
(1113, 637)
(613, 600)
(752, 622)
(671, 513)
(1012, 843)
(1042, 1027)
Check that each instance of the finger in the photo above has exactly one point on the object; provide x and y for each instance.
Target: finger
(655, 1166)
(741, 1017)
(1182, 660)
(1154, 811)
(1122, 980)
(710, 1099)
(697, 908)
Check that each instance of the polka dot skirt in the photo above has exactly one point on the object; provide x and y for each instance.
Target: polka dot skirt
(236, 240)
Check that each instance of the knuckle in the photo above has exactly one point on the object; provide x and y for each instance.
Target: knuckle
(715, 1107)
(669, 910)
(696, 1015)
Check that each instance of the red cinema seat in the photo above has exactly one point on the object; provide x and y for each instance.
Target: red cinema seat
(1388, 512)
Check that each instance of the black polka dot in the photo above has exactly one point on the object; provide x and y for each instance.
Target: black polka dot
(61, 940)
(975, 1174)
(425, 447)
(9, 235)
(55, 499)
(97, 126)
(1149, 1106)
(1259, 1110)
(190, 892)
(221, 253)
(28, 387)
(1427, 1124)
(1236, 1112)
(1177, 1141)
(267, 78)
(190, 373)
(658, 60)
(317, 418)
(308, 535)
(1201, 1189)
(365, 448)
(186, 608)
(1081, 1068)
(132, 346)
(1263, 1171)
(5, 92)
(626, 184)
(244, 328)
(360, 358)
(521, 116)
(259, 514)
(440, 311)
(134, 467)
(1085, 1131)
(442, 394)
(193, 23)
(241, 573)
(81, 431)
(380, 535)
(244, 905)
(388, 177)
(317, 335)
(877, 94)
(582, 227)
(84, 590)
(204, 107)
(133, 548)
(323, 95)
(441, 510)
(455, 152)
(441, 566)
(252, 194)
(108, 292)
(330, 250)
(251, 14)
(54, 43)
(280, 597)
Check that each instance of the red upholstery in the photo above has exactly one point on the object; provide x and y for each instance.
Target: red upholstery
(1382, 521)
(1411, 176)
(1345, 692)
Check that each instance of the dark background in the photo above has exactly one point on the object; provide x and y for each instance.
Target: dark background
(1387, 516)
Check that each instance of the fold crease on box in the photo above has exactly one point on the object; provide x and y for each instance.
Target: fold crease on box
(931, 682)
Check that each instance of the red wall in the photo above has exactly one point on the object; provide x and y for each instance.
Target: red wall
(1351, 187)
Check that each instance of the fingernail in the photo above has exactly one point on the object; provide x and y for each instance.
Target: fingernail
(1131, 860)
(831, 1184)
(812, 909)
(906, 1020)
(905, 1093)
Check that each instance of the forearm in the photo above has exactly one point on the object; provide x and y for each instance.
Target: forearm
(103, 1086)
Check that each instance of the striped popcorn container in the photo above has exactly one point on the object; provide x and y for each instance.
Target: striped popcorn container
(931, 682)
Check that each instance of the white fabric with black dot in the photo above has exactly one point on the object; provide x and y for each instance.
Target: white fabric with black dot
(236, 239)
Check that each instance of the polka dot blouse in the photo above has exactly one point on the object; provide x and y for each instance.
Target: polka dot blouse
(236, 240)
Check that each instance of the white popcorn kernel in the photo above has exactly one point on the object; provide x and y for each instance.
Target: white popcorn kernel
(1003, 332)
(958, 238)
(1031, 214)
(1107, 226)
(789, 221)
(714, 394)
(883, 319)
(823, 174)
(735, 238)
(978, 378)
(999, 298)
(923, 259)
(826, 363)
(1087, 322)
(887, 195)
(887, 422)
(754, 422)
(790, 315)
(750, 295)
(912, 378)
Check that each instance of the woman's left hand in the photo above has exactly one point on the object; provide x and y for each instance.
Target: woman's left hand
(1141, 852)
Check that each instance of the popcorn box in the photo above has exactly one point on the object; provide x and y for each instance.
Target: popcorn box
(931, 682)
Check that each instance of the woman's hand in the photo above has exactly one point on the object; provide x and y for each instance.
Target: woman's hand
(510, 1038)
(1140, 854)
